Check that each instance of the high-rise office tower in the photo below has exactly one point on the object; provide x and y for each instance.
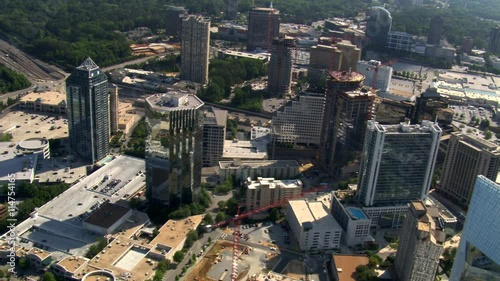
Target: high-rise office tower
(435, 30)
(478, 254)
(263, 27)
(195, 49)
(467, 157)
(113, 108)
(350, 55)
(494, 43)
(376, 75)
(378, 25)
(214, 134)
(300, 121)
(280, 66)
(174, 147)
(230, 9)
(349, 106)
(397, 162)
(420, 244)
(88, 112)
(323, 58)
(173, 19)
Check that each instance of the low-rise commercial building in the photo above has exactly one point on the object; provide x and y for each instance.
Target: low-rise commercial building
(241, 170)
(266, 191)
(400, 41)
(48, 102)
(245, 150)
(313, 226)
(343, 267)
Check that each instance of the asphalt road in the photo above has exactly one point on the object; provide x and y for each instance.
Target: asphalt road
(136, 61)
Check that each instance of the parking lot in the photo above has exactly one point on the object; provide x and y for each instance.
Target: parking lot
(25, 125)
(269, 234)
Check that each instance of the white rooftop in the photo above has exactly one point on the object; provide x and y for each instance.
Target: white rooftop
(272, 183)
(237, 149)
(13, 161)
(315, 213)
(60, 218)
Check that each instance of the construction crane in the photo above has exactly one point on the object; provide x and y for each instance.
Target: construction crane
(236, 220)
(375, 74)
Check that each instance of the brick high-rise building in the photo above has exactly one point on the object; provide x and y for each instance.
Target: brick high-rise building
(420, 244)
(195, 49)
(263, 27)
(88, 112)
(467, 157)
(113, 108)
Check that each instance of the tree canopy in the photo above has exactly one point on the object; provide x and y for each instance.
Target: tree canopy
(11, 81)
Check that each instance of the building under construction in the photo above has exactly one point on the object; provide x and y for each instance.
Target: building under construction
(349, 105)
(280, 66)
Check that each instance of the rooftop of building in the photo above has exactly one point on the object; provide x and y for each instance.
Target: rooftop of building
(265, 10)
(88, 65)
(174, 100)
(346, 265)
(61, 218)
(260, 56)
(72, 263)
(315, 213)
(198, 18)
(13, 161)
(39, 253)
(215, 116)
(272, 183)
(173, 232)
(477, 142)
(46, 97)
(428, 220)
(360, 93)
(107, 215)
(346, 76)
(238, 164)
(33, 144)
(405, 128)
(238, 149)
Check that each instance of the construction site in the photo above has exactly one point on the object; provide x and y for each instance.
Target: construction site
(216, 265)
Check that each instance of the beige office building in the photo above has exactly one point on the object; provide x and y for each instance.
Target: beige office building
(313, 225)
(195, 49)
(241, 170)
(265, 191)
(420, 244)
(49, 102)
(468, 156)
(214, 133)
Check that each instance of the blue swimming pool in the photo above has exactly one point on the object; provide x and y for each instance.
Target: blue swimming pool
(357, 213)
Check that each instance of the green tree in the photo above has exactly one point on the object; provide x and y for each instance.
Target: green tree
(488, 135)
(178, 256)
(221, 204)
(220, 217)
(274, 214)
(484, 124)
(24, 263)
(48, 276)
(208, 219)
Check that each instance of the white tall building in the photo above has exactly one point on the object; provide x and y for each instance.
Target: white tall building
(300, 121)
(374, 70)
(478, 254)
(313, 225)
(397, 162)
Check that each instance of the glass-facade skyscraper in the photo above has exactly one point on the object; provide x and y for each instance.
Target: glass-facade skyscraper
(174, 147)
(397, 162)
(478, 254)
(88, 112)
